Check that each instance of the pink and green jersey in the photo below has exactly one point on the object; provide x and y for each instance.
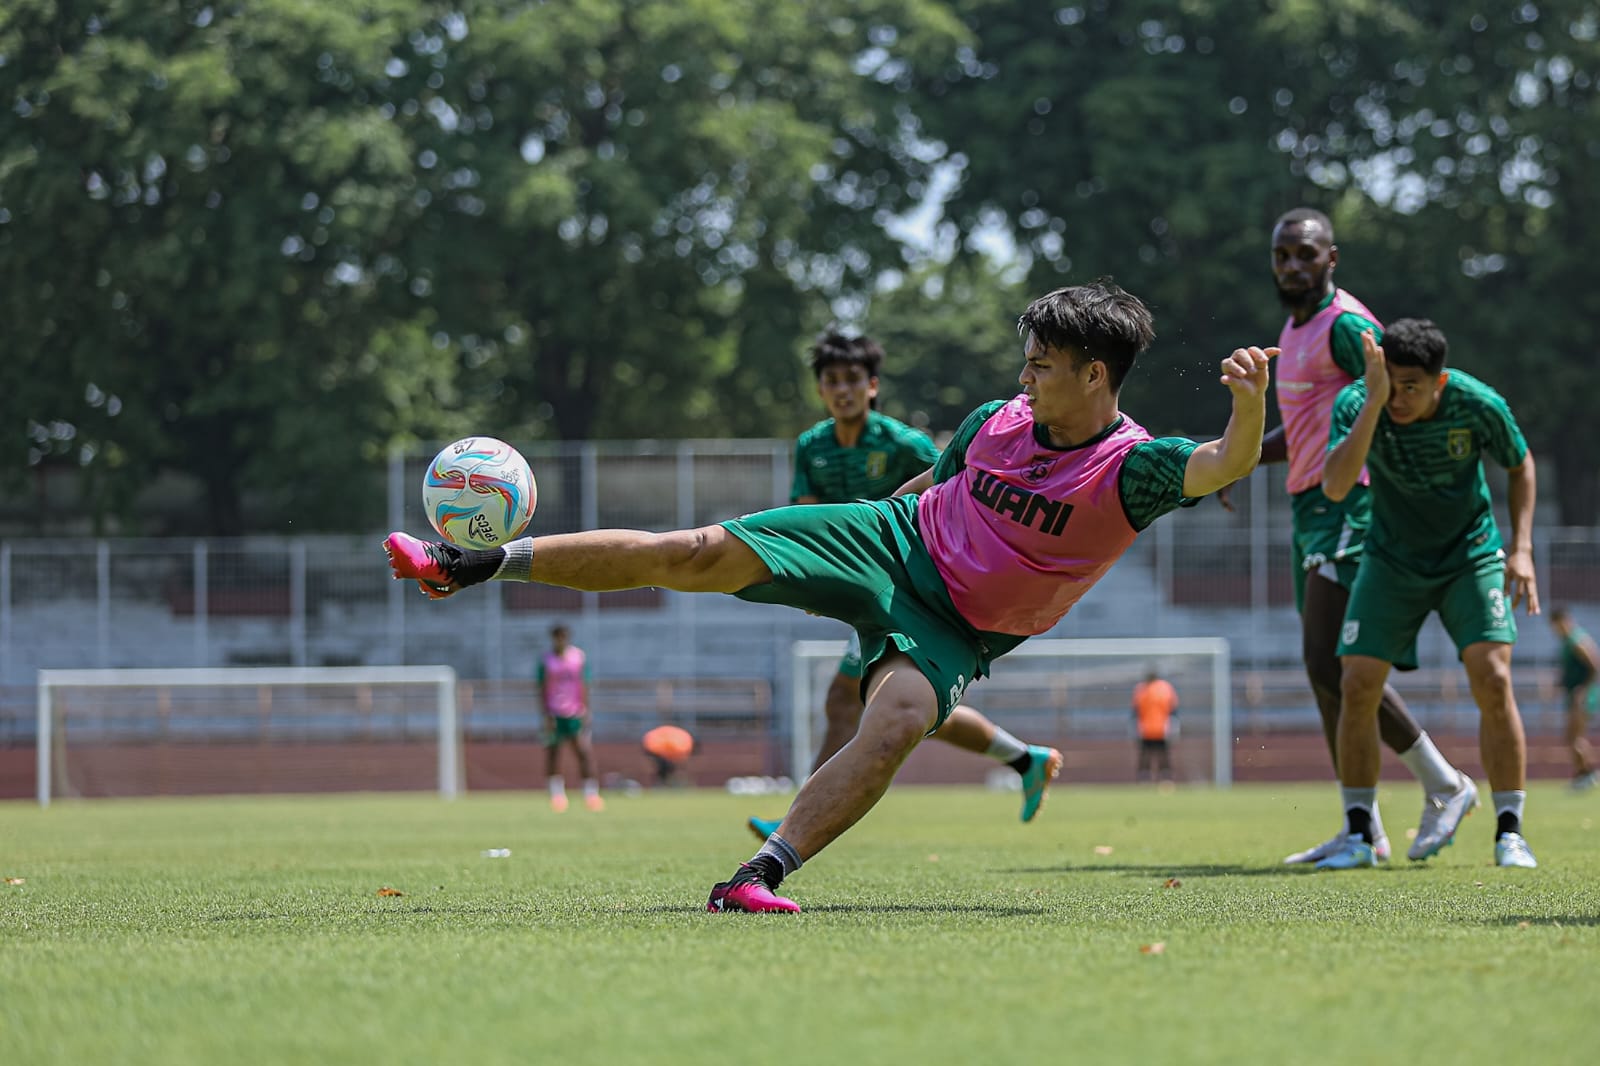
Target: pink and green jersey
(1020, 529)
(564, 680)
(1316, 360)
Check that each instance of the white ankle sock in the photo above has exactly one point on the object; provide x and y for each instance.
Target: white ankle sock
(1005, 747)
(1430, 767)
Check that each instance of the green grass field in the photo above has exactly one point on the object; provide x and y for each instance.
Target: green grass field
(938, 931)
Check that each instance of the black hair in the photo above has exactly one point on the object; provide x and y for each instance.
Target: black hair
(1304, 214)
(836, 349)
(560, 630)
(1099, 320)
(1415, 342)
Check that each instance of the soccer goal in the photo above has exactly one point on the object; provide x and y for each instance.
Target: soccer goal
(1074, 694)
(247, 730)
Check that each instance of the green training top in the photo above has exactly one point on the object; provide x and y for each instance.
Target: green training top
(1575, 669)
(1344, 339)
(1150, 482)
(1431, 511)
(889, 454)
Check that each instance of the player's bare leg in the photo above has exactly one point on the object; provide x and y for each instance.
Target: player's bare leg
(901, 706)
(583, 744)
(1501, 744)
(1359, 758)
(555, 782)
(968, 729)
(841, 709)
(1578, 741)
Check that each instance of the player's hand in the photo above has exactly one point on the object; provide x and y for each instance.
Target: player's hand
(1520, 583)
(1245, 371)
(1377, 376)
(1224, 496)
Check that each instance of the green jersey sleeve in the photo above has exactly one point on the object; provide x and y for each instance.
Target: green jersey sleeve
(802, 485)
(1151, 480)
(954, 459)
(1344, 342)
(1346, 406)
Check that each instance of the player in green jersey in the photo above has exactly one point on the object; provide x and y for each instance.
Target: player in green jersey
(1421, 432)
(1322, 353)
(859, 454)
(1580, 670)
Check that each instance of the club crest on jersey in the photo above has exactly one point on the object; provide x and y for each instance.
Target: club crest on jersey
(1352, 630)
(877, 463)
(1458, 443)
(1039, 468)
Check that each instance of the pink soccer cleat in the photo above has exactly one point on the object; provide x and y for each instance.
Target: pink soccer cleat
(752, 897)
(430, 564)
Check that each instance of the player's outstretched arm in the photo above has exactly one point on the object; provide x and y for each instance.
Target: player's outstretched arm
(1521, 492)
(1342, 467)
(1233, 455)
(921, 483)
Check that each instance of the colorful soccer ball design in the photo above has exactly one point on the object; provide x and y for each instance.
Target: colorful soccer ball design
(479, 492)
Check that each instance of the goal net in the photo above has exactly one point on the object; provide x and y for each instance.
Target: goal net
(247, 730)
(1076, 695)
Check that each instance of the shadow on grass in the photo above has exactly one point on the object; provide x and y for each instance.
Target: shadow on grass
(1192, 870)
(1554, 920)
(871, 908)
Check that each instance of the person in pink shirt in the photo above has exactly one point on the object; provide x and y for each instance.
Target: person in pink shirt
(1035, 498)
(1322, 353)
(564, 697)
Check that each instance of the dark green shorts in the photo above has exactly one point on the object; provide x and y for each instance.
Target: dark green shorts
(864, 564)
(1328, 537)
(1591, 701)
(564, 728)
(1389, 604)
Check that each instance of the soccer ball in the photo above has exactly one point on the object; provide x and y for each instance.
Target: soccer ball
(479, 492)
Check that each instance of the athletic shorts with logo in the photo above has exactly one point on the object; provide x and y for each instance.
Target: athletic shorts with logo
(864, 564)
(1328, 537)
(1389, 603)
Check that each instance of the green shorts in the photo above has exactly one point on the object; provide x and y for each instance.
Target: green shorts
(1591, 702)
(1389, 604)
(864, 564)
(564, 727)
(850, 663)
(1328, 537)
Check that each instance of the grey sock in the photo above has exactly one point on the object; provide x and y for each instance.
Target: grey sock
(783, 851)
(518, 564)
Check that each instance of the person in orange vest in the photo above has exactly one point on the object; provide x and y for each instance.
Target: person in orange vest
(1155, 704)
(669, 748)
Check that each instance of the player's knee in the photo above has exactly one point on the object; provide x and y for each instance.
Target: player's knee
(1489, 674)
(893, 729)
(1360, 692)
(843, 704)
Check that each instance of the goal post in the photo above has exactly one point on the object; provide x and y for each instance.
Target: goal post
(1068, 691)
(248, 729)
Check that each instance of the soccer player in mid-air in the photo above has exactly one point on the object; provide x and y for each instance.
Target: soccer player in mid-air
(859, 454)
(1580, 672)
(1322, 353)
(1030, 505)
(1420, 430)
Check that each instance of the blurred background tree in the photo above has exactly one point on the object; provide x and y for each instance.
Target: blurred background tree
(235, 240)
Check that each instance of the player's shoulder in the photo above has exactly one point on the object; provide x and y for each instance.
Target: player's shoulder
(893, 428)
(1473, 391)
(817, 432)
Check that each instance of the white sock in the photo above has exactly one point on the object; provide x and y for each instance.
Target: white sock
(591, 787)
(1005, 747)
(558, 785)
(1430, 767)
(1509, 802)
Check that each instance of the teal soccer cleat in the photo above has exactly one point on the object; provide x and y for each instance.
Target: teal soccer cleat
(1043, 766)
(1355, 855)
(763, 827)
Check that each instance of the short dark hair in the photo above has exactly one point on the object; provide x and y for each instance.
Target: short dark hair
(560, 630)
(1415, 342)
(1099, 320)
(834, 348)
(1560, 614)
(1304, 214)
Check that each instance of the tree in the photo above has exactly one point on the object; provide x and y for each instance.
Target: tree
(186, 191)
